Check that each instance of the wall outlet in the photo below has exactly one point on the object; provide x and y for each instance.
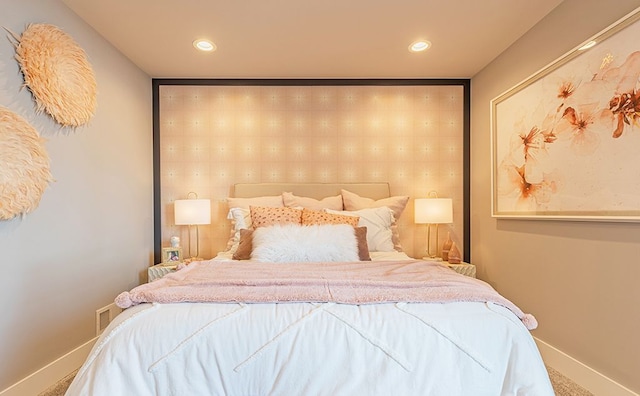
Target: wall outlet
(105, 315)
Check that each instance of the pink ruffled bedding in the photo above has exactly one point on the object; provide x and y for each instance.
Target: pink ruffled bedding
(414, 281)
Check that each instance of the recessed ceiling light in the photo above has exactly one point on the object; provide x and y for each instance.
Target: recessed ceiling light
(204, 45)
(588, 45)
(420, 45)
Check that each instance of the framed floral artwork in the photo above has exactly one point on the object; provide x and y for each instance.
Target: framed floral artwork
(566, 141)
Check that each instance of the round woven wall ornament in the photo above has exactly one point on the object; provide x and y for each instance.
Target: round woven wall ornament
(57, 73)
(24, 168)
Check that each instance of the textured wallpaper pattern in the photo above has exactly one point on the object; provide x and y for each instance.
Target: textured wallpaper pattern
(214, 136)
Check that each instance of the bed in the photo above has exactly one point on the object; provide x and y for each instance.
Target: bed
(350, 314)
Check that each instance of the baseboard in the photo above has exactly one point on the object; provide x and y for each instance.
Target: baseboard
(51, 373)
(583, 375)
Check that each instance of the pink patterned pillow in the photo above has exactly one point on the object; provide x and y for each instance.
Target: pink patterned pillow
(236, 205)
(264, 216)
(310, 217)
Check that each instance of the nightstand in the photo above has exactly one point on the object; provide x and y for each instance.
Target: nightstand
(463, 268)
(160, 270)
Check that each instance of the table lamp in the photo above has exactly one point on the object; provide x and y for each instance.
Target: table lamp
(433, 211)
(192, 212)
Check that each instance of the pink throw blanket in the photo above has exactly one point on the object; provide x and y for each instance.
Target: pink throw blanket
(413, 281)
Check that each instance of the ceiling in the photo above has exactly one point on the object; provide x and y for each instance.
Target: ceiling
(312, 39)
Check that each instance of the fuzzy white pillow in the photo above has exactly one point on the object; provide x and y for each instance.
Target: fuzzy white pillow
(297, 243)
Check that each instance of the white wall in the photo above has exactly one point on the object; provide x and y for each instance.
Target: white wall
(578, 278)
(92, 235)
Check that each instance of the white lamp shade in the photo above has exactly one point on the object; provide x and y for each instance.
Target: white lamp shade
(433, 210)
(192, 211)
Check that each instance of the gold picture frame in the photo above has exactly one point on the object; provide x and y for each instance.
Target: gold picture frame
(172, 255)
(564, 141)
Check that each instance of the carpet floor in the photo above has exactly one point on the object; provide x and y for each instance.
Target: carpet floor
(562, 385)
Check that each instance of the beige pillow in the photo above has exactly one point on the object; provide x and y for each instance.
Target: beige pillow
(244, 203)
(291, 200)
(310, 216)
(353, 201)
(264, 216)
(245, 247)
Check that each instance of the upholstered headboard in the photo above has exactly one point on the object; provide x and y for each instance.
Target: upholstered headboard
(314, 190)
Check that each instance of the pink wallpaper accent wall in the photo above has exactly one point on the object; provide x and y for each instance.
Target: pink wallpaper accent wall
(214, 136)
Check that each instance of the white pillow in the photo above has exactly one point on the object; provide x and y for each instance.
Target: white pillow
(240, 218)
(289, 243)
(378, 222)
(353, 201)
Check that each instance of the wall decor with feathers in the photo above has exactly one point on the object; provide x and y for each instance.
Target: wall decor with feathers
(60, 78)
(57, 73)
(25, 172)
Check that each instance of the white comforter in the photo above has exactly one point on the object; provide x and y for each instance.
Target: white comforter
(461, 348)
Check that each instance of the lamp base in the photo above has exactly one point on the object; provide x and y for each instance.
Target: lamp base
(432, 258)
(192, 259)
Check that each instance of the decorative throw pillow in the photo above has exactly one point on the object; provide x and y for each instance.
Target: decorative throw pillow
(241, 219)
(363, 246)
(378, 222)
(353, 201)
(296, 243)
(291, 200)
(263, 216)
(245, 246)
(310, 216)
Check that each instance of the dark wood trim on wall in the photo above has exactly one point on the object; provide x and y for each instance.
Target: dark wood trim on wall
(466, 173)
(156, 83)
(157, 210)
(309, 82)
